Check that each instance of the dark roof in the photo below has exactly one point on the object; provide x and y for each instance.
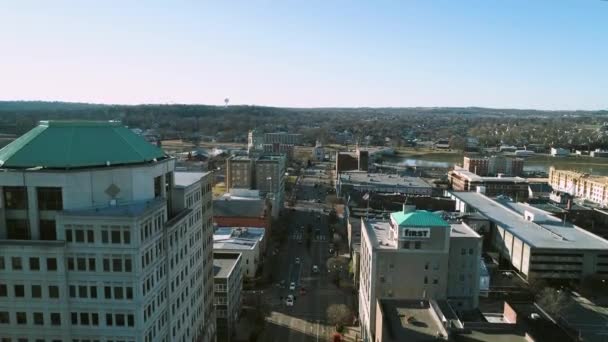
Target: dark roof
(540, 187)
(236, 208)
(75, 144)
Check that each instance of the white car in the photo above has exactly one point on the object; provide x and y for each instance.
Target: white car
(315, 269)
(297, 260)
(292, 286)
(289, 300)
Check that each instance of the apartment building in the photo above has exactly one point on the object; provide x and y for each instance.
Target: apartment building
(228, 285)
(582, 185)
(416, 255)
(493, 166)
(101, 239)
(536, 243)
(265, 173)
(240, 172)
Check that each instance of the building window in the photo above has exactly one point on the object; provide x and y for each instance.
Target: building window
(426, 280)
(53, 291)
(51, 264)
(3, 290)
(34, 264)
(92, 267)
(417, 244)
(48, 230)
(19, 291)
(15, 197)
(38, 318)
(4, 317)
(55, 318)
(2, 263)
(16, 261)
(463, 251)
(21, 318)
(50, 199)
(36, 291)
(17, 229)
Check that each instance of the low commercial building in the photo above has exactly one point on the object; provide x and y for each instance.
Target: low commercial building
(247, 241)
(242, 212)
(514, 187)
(599, 153)
(536, 243)
(441, 261)
(559, 152)
(363, 182)
(228, 286)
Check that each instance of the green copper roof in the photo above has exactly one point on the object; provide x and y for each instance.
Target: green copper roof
(73, 144)
(418, 218)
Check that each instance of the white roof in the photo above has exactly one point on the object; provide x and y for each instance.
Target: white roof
(546, 231)
(187, 178)
(475, 178)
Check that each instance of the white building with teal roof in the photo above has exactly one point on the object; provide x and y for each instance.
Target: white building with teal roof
(417, 255)
(101, 240)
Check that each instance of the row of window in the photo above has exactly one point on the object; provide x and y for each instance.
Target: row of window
(34, 264)
(19, 291)
(37, 318)
(49, 198)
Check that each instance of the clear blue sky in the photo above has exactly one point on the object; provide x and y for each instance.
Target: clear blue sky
(549, 54)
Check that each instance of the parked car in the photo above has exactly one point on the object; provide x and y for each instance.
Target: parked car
(297, 260)
(292, 286)
(315, 269)
(289, 300)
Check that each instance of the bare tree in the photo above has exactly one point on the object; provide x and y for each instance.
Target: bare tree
(339, 315)
(554, 301)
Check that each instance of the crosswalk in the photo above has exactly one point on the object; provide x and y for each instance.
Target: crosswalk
(300, 236)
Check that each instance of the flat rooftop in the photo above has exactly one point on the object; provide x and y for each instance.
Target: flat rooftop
(546, 231)
(462, 230)
(185, 179)
(246, 233)
(475, 178)
(382, 179)
(378, 232)
(239, 207)
(234, 244)
(223, 267)
(133, 209)
(409, 320)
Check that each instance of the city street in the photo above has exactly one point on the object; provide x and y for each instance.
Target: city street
(306, 320)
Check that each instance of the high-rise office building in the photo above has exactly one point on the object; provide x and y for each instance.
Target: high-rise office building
(101, 240)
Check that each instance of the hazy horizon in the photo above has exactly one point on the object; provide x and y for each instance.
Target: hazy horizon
(545, 55)
(294, 107)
